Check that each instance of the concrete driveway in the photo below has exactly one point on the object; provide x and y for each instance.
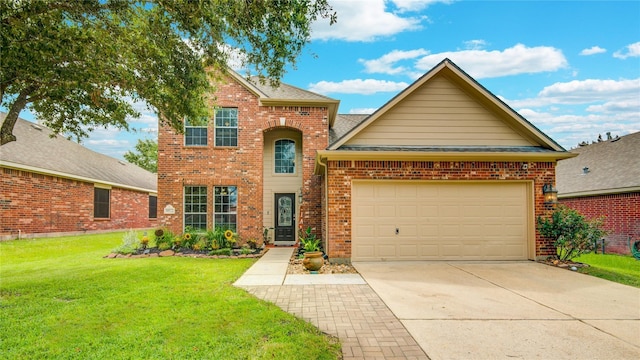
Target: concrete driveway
(521, 310)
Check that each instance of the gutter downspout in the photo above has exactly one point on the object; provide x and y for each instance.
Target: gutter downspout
(326, 198)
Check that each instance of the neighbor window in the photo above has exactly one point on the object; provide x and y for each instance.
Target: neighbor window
(195, 134)
(285, 156)
(226, 125)
(226, 205)
(101, 203)
(195, 207)
(153, 207)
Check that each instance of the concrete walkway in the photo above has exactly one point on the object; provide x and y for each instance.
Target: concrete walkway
(342, 305)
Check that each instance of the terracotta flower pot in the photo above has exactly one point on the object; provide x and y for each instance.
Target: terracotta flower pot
(313, 260)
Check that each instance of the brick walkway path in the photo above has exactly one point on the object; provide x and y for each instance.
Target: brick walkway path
(355, 314)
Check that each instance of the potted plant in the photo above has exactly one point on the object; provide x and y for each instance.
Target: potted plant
(313, 257)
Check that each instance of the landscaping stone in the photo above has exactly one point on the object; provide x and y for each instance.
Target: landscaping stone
(166, 253)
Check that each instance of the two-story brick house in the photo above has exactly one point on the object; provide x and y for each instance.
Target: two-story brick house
(252, 166)
(444, 170)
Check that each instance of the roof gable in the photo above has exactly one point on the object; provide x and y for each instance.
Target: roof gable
(37, 151)
(445, 107)
(286, 95)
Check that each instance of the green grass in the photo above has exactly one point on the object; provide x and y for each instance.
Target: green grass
(59, 298)
(618, 268)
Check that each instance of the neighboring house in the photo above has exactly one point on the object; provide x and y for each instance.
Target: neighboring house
(51, 185)
(604, 180)
(444, 170)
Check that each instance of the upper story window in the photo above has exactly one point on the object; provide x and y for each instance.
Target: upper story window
(285, 156)
(226, 125)
(195, 134)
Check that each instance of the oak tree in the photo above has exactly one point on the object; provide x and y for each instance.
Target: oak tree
(145, 155)
(81, 64)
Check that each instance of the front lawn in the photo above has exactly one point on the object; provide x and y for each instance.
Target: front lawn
(59, 298)
(618, 268)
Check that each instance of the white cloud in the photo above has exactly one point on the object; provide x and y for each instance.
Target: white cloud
(632, 50)
(583, 91)
(518, 59)
(416, 5)
(363, 21)
(357, 86)
(475, 44)
(385, 63)
(362, 110)
(593, 50)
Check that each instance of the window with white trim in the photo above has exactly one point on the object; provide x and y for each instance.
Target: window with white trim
(285, 156)
(195, 134)
(226, 127)
(195, 207)
(226, 207)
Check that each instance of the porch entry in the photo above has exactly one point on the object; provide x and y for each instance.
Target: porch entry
(285, 219)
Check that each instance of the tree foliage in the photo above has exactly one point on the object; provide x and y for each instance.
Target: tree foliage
(145, 155)
(80, 64)
(573, 235)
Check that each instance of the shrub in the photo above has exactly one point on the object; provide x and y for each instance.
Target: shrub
(573, 235)
(166, 240)
(130, 243)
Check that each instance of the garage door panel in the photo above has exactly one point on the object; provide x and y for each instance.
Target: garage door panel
(447, 221)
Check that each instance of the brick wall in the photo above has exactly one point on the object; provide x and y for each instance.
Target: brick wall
(622, 217)
(36, 203)
(341, 173)
(240, 166)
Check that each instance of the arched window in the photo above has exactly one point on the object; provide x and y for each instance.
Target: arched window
(285, 156)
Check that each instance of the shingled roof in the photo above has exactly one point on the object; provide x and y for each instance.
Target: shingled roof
(35, 150)
(607, 167)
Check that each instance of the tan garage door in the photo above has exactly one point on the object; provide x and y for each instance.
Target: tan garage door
(439, 221)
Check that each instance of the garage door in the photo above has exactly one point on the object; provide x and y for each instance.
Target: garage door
(439, 221)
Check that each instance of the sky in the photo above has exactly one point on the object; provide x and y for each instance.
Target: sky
(571, 68)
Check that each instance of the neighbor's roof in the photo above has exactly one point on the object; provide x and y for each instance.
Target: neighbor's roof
(613, 166)
(36, 151)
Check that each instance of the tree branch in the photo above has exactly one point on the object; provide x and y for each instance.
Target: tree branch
(6, 132)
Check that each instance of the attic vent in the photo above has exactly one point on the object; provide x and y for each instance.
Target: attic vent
(585, 170)
(36, 127)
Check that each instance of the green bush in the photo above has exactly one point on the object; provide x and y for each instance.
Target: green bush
(165, 239)
(573, 235)
(309, 241)
(130, 243)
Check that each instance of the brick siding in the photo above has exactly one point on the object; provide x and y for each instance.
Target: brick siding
(341, 173)
(622, 217)
(34, 203)
(240, 166)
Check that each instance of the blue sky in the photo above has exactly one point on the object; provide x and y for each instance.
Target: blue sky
(572, 68)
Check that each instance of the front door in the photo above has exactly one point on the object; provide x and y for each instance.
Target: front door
(285, 229)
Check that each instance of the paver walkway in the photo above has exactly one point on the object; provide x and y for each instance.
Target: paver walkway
(347, 308)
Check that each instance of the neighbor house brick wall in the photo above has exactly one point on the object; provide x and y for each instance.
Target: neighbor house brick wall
(621, 217)
(341, 173)
(34, 203)
(241, 166)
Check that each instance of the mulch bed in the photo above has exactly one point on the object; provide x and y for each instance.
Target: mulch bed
(155, 252)
(569, 265)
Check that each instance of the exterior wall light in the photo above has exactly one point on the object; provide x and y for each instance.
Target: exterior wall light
(550, 194)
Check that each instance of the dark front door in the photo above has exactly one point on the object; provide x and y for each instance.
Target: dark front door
(285, 229)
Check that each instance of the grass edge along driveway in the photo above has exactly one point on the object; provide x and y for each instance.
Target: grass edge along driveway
(59, 298)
